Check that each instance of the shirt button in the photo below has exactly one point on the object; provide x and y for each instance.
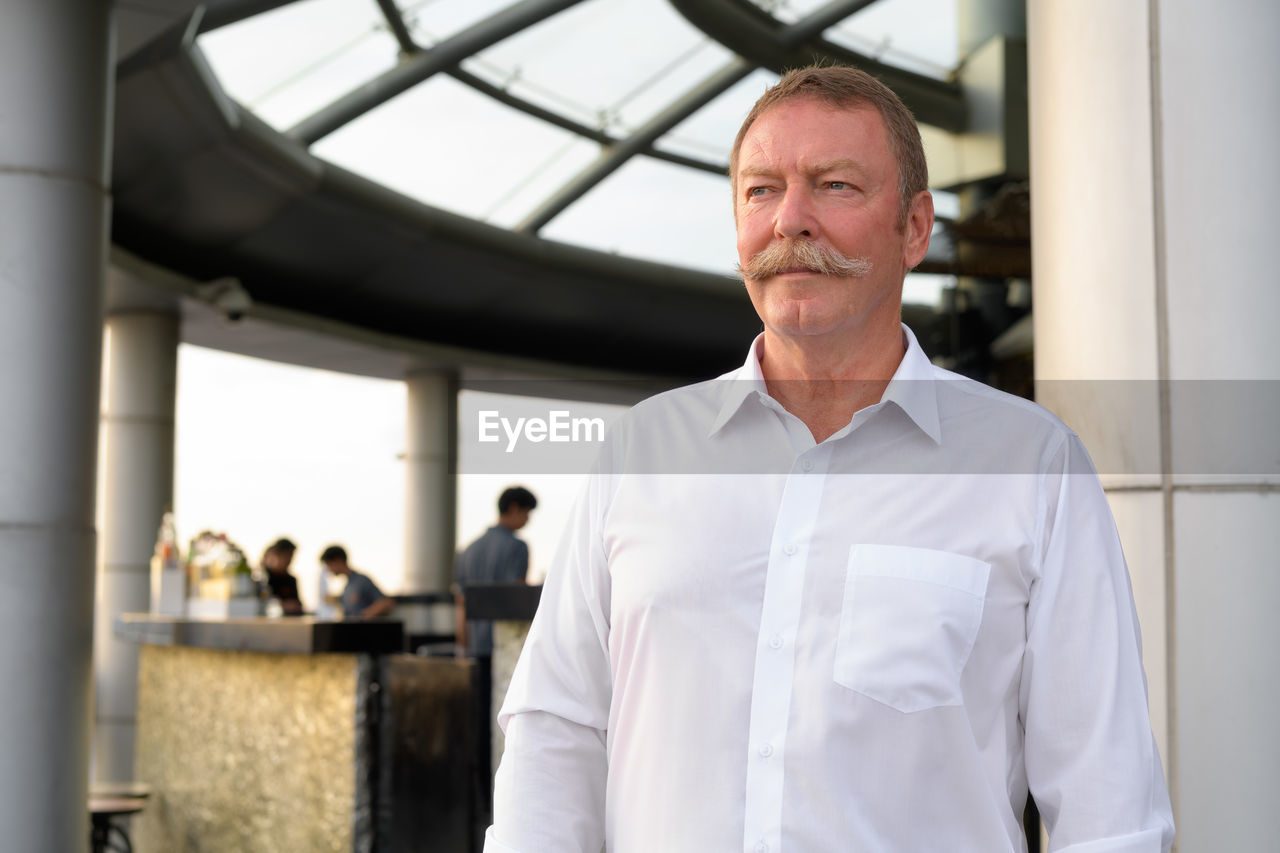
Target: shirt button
(766, 751)
(807, 464)
(789, 549)
(761, 847)
(775, 642)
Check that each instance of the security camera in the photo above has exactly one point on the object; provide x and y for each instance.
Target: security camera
(228, 296)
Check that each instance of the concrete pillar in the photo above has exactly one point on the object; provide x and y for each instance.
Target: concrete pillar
(431, 485)
(1153, 179)
(137, 445)
(55, 104)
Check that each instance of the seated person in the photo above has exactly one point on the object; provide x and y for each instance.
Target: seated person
(361, 599)
(280, 584)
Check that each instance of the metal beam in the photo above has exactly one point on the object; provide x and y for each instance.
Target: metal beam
(751, 32)
(221, 14)
(395, 20)
(419, 67)
(614, 156)
(817, 23)
(502, 96)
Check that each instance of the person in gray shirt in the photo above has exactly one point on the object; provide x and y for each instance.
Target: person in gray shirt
(497, 556)
(361, 599)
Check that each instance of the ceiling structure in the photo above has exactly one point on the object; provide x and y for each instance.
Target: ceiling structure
(536, 180)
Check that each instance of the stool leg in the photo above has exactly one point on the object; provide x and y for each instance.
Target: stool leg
(126, 845)
(98, 835)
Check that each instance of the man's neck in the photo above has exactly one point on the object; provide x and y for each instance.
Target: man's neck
(824, 385)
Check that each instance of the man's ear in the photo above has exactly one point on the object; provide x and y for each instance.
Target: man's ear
(918, 227)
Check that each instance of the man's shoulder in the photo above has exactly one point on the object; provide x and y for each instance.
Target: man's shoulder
(696, 403)
(960, 396)
(1007, 431)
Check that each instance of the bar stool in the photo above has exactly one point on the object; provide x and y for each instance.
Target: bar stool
(104, 835)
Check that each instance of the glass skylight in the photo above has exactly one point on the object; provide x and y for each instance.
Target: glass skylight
(446, 145)
(656, 211)
(708, 134)
(607, 64)
(432, 21)
(916, 35)
(285, 64)
(929, 45)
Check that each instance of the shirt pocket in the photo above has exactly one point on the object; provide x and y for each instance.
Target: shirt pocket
(907, 624)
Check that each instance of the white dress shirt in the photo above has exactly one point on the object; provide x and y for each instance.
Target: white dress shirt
(751, 642)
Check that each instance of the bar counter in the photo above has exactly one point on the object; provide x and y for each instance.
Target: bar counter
(299, 635)
(300, 734)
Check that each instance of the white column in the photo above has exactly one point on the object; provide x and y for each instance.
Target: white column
(431, 486)
(55, 83)
(1153, 126)
(137, 446)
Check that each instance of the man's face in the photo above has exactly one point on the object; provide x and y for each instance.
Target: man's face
(519, 517)
(811, 172)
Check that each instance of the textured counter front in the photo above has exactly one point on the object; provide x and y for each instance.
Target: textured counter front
(297, 734)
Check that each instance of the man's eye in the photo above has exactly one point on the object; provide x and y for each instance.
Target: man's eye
(839, 185)
(756, 191)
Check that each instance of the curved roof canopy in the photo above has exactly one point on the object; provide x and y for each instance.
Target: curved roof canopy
(535, 178)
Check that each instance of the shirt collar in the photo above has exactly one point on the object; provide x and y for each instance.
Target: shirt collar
(911, 387)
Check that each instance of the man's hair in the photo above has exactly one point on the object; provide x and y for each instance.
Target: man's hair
(518, 495)
(846, 88)
(333, 552)
(282, 544)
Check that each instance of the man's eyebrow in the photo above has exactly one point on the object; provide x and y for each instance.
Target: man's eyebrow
(840, 164)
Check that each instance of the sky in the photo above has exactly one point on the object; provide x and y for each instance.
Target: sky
(267, 449)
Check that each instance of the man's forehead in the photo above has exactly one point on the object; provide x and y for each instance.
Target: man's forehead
(844, 144)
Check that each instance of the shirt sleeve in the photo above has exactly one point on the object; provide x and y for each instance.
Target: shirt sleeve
(1091, 760)
(549, 792)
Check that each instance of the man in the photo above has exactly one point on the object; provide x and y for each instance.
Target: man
(840, 600)
(361, 599)
(497, 556)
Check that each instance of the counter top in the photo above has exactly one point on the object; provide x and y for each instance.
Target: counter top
(302, 635)
(502, 601)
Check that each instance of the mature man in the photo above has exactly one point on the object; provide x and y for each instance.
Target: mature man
(839, 600)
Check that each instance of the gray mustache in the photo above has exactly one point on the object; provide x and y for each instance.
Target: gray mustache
(805, 254)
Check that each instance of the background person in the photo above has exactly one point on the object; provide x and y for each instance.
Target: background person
(361, 599)
(280, 582)
(496, 556)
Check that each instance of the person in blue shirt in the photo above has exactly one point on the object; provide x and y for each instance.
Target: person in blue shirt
(361, 600)
(497, 556)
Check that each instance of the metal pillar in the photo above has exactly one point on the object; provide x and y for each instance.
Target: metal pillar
(55, 87)
(137, 445)
(430, 484)
(1153, 179)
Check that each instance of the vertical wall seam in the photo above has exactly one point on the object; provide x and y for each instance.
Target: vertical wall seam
(1163, 384)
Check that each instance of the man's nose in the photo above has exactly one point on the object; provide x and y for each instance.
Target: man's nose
(794, 216)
